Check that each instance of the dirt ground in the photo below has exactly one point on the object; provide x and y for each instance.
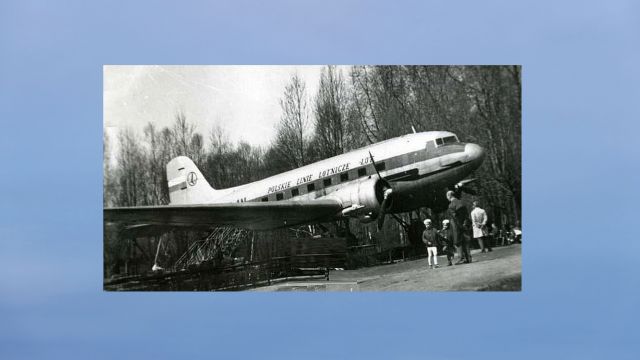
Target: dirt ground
(500, 270)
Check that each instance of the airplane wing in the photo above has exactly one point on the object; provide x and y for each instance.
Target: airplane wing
(248, 215)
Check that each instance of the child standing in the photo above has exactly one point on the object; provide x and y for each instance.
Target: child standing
(447, 238)
(430, 239)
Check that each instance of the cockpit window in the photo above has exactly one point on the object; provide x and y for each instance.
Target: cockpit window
(447, 140)
(450, 139)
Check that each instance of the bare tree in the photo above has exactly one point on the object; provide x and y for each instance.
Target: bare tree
(364, 103)
(131, 175)
(155, 164)
(182, 134)
(166, 145)
(384, 103)
(218, 140)
(332, 127)
(196, 150)
(109, 191)
(291, 133)
(497, 113)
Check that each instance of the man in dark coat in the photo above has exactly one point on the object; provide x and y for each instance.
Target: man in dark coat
(459, 217)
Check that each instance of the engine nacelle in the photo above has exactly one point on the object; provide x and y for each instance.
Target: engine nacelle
(362, 199)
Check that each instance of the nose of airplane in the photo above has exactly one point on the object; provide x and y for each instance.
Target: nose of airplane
(474, 153)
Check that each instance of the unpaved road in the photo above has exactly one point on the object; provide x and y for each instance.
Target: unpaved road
(500, 270)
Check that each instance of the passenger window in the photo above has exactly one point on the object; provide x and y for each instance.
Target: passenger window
(265, 199)
(279, 196)
(380, 166)
(311, 187)
(344, 177)
(439, 141)
(362, 172)
(295, 192)
(326, 182)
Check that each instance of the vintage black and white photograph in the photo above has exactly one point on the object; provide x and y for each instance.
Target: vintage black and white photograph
(312, 178)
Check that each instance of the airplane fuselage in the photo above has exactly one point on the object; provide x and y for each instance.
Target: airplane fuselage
(417, 165)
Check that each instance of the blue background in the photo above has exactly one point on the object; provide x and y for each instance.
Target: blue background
(580, 167)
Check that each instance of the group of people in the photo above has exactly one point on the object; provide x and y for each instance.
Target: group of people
(454, 233)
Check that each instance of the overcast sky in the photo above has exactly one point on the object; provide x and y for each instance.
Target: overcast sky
(242, 99)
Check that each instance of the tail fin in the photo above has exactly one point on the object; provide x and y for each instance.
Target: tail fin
(187, 185)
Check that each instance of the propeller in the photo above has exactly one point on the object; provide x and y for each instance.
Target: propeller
(387, 191)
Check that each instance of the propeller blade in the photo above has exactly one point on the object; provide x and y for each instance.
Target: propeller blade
(465, 182)
(387, 195)
(383, 207)
(375, 167)
(381, 216)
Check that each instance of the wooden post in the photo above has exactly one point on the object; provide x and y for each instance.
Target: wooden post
(251, 254)
(269, 272)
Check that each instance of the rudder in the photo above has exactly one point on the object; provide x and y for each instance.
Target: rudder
(186, 183)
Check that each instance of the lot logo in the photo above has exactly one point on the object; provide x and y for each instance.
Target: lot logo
(192, 178)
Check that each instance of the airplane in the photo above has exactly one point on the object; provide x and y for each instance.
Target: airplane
(393, 176)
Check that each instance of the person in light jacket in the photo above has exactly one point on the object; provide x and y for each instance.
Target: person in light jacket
(479, 221)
